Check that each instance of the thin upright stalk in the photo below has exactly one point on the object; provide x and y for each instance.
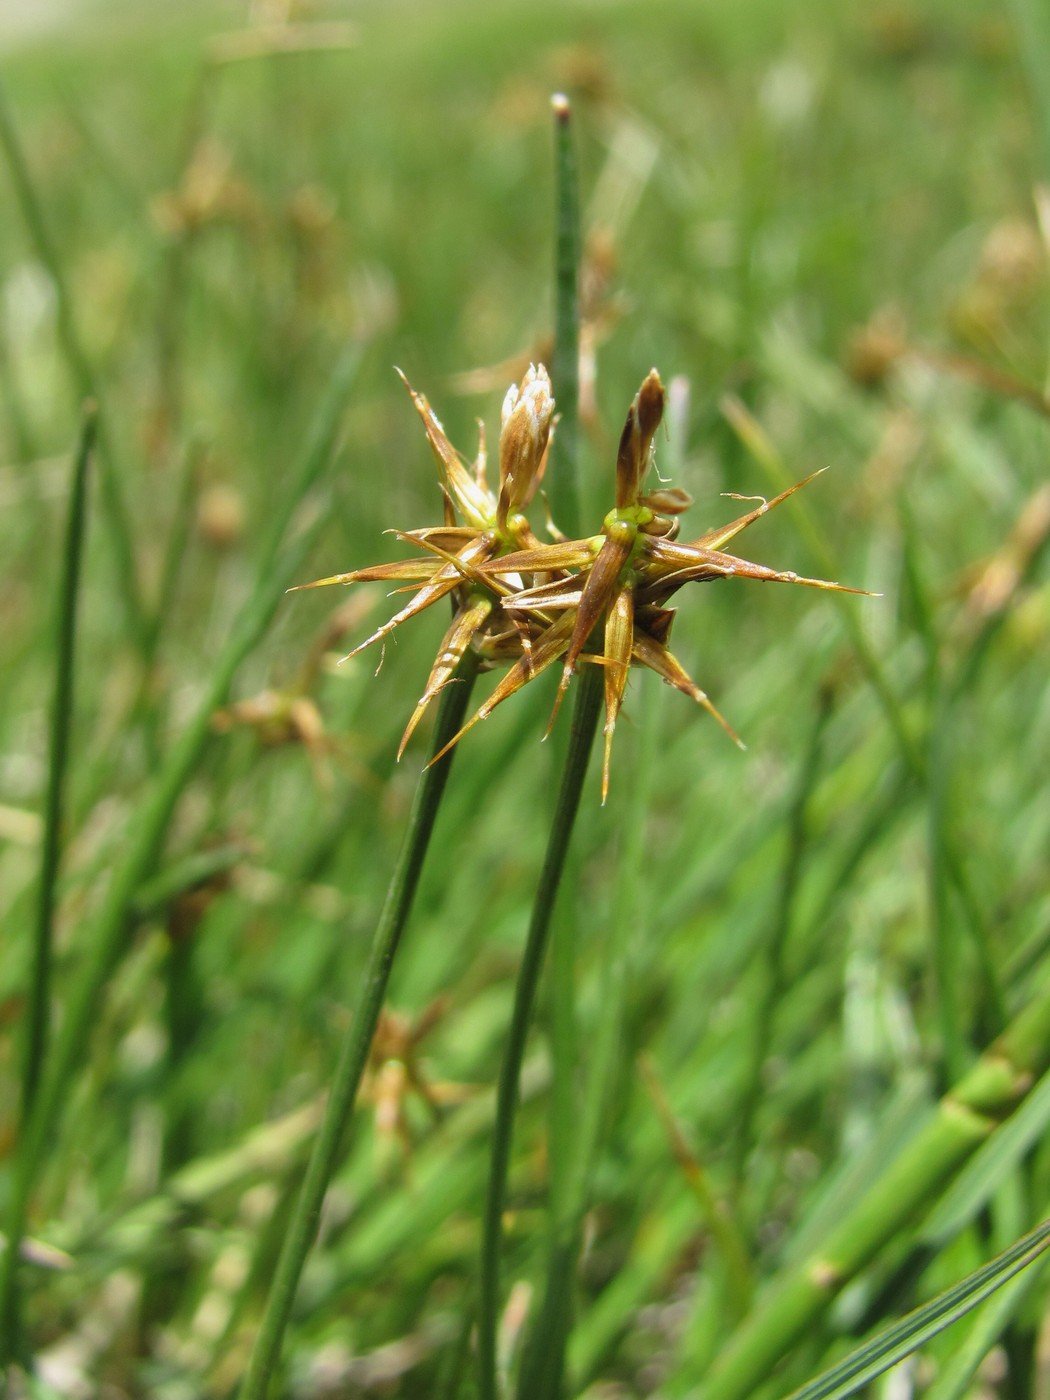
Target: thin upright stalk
(108, 935)
(584, 726)
(37, 1012)
(563, 477)
(346, 1081)
(543, 1364)
(563, 1134)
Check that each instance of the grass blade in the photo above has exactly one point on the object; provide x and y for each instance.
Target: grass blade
(276, 571)
(964, 1119)
(918, 1327)
(37, 1016)
(353, 1057)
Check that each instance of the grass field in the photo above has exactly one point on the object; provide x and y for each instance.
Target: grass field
(786, 1079)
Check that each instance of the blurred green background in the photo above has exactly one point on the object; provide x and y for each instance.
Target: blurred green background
(825, 221)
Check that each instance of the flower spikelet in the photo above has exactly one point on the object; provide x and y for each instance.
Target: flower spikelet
(479, 525)
(598, 600)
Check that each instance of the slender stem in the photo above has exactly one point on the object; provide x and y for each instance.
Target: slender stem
(302, 1228)
(37, 1017)
(108, 936)
(563, 476)
(563, 1118)
(543, 1364)
(584, 727)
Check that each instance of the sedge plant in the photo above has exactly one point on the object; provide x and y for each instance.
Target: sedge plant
(596, 604)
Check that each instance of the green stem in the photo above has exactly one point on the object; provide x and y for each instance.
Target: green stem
(963, 1119)
(563, 1133)
(563, 475)
(302, 1228)
(277, 571)
(584, 727)
(37, 1016)
(543, 1364)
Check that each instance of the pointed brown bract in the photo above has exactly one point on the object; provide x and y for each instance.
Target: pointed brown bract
(687, 564)
(378, 573)
(543, 653)
(562, 593)
(465, 626)
(619, 642)
(448, 578)
(473, 499)
(598, 592)
(660, 660)
(548, 558)
(722, 534)
(632, 459)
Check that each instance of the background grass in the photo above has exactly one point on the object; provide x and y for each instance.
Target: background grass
(801, 978)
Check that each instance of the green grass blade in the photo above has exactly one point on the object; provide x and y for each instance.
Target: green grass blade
(37, 1014)
(962, 1121)
(544, 1359)
(765, 453)
(956, 1380)
(770, 993)
(911, 1332)
(975, 1185)
(275, 574)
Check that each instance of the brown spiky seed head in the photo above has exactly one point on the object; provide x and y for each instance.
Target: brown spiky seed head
(632, 459)
(527, 414)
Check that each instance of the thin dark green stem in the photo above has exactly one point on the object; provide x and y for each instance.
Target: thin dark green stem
(37, 1017)
(353, 1057)
(584, 727)
(564, 1098)
(563, 476)
(107, 938)
(543, 1364)
(81, 372)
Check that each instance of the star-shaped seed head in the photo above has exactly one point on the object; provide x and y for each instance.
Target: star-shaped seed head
(600, 600)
